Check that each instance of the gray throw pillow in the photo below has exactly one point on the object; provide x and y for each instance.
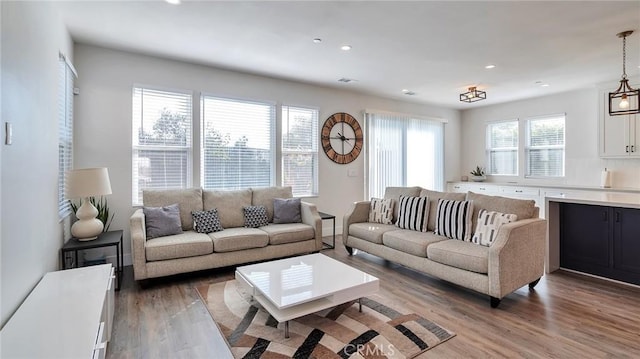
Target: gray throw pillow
(286, 210)
(162, 221)
(255, 216)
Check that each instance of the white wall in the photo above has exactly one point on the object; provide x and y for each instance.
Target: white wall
(31, 235)
(103, 119)
(583, 164)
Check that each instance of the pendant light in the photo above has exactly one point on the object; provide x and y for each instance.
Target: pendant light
(624, 100)
(473, 95)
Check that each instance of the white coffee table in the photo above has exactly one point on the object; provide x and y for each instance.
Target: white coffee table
(294, 287)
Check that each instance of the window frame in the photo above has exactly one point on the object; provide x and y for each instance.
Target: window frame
(528, 147)
(489, 150)
(272, 127)
(137, 200)
(65, 131)
(314, 151)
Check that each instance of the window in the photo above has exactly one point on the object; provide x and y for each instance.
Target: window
(300, 150)
(238, 143)
(502, 148)
(403, 151)
(544, 152)
(161, 141)
(66, 75)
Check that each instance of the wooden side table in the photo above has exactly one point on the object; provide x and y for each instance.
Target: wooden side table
(324, 216)
(106, 239)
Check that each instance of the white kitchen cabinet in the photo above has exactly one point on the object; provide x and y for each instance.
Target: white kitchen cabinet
(619, 136)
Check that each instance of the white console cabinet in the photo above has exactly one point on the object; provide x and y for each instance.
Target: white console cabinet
(67, 315)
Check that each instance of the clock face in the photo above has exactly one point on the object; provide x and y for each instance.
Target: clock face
(342, 138)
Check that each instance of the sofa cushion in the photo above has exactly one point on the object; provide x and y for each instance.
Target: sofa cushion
(229, 205)
(411, 242)
(255, 216)
(381, 210)
(369, 231)
(522, 208)
(264, 197)
(459, 254)
(489, 222)
(187, 244)
(162, 221)
(286, 210)
(413, 213)
(288, 233)
(235, 239)
(188, 200)
(206, 221)
(434, 196)
(453, 219)
(395, 192)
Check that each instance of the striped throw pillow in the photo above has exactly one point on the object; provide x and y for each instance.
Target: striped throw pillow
(381, 211)
(488, 224)
(413, 213)
(453, 219)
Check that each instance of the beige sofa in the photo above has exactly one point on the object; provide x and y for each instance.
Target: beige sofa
(515, 259)
(192, 251)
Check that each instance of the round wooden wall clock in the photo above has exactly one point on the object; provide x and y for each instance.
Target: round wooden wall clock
(341, 138)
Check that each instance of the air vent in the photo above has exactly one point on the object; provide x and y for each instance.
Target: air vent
(345, 80)
(409, 93)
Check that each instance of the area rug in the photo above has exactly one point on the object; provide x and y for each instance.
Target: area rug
(382, 330)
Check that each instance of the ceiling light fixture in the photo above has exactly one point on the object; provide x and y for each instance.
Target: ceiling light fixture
(345, 47)
(473, 95)
(173, 2)
(625, 98)
(317, 40)
(489, 67)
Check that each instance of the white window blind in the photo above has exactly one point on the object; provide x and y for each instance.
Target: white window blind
(238, 143)
(162, 146)
(502, 148)
(403, 151)
(66, 76)
(300, 150)
(545, 146)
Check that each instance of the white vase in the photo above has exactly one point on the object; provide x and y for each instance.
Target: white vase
(478, 178)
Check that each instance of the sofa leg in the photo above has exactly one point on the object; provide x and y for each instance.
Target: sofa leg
(495, 302)
(349, 250)
(534, 283)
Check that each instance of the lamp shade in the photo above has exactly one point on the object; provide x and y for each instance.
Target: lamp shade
(87, 182)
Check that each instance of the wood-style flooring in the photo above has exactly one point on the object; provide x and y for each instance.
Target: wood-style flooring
(566, 316)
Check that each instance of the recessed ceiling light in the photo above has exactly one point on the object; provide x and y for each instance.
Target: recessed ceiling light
(174, 2)
(345, 47)
(545, 85)
(317, 40)
(488, 67)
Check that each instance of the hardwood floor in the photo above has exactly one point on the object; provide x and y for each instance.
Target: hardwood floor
(566, 316)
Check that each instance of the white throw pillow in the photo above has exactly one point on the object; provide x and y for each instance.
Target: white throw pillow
(381, 211)
(453, 219)
(413, 213)
(489, 222)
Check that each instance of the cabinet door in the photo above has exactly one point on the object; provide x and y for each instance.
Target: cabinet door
(614, 132)
(626, 244)
(634, 136)
(584, 238)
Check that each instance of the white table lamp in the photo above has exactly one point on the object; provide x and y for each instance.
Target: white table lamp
(85, 183)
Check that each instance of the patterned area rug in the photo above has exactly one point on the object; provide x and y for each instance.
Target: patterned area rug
(381, 330)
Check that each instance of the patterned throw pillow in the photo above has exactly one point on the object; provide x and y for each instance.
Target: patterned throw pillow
(453, 219)
(255, 216)
(381, 211)
(413, 213)
(488, 225)
(206, 221)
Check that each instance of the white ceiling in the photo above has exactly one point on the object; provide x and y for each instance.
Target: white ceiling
(435, 48)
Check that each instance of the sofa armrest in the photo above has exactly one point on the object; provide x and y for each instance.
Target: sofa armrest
(138, 241)
(359, 212)
(516, 258)
(310, 216)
